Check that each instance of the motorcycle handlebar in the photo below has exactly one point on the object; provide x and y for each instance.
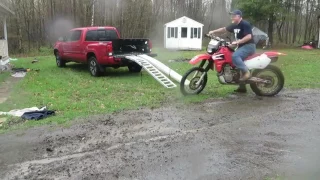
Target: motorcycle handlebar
(207, 35)
(213, 37)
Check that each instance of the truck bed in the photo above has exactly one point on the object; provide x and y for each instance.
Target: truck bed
(126, 47)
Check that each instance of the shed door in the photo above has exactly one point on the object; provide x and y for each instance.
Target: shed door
(184, 37)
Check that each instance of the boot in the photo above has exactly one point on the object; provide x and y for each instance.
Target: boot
(245, 76)
(241, 89)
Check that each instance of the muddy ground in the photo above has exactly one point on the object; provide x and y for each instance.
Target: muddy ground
(240, 137)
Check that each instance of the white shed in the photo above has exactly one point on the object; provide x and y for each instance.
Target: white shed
(183, 34)
(4, 13)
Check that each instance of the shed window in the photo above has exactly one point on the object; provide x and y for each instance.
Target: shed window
(1, 30)
(184, 32)
(195, 33)
(176, 32)
(172, 32)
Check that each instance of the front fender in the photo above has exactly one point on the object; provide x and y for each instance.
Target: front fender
(199, 58)
(58, 48)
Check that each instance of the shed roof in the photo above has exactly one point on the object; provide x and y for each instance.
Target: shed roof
(5, 10)
(184, 20)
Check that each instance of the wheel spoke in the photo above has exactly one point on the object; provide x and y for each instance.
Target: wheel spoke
(93, 67)
(58, 60)
(272, 78)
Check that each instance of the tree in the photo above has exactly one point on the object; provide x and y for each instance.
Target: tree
(34, 23)
(262, 11)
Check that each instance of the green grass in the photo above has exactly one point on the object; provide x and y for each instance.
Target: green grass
(4, 76)
(275, 178)
(42, 51)
(74, 93)
(301, 68)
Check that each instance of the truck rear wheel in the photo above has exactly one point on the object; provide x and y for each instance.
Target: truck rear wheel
(94, 67)
(134, 68)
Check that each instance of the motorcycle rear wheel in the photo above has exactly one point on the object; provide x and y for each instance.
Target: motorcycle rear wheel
(195, 87)
(276, 83)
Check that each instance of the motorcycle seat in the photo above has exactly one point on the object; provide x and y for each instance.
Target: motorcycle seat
(253, 56)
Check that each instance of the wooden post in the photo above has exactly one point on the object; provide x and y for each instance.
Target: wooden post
(6, 51)
(5, 28)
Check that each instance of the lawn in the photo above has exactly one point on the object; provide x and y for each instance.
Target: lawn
(74, 93)
(4, 76)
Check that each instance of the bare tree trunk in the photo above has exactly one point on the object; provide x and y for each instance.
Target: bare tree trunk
(35, 19)
(306, 21)
(74, 11)
(92, 17)
(271, 22)
(287, 32)
(296, 13)
(105, 13)
(279, 30)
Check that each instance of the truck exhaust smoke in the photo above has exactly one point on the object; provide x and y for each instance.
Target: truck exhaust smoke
(60, 28)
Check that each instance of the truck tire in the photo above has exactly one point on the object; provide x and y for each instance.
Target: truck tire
(60, 63)
(94, 67)
(134, 68)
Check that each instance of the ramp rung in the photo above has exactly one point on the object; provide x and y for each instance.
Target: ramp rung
(153, 71)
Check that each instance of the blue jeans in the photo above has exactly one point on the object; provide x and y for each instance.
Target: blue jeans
(241, 54)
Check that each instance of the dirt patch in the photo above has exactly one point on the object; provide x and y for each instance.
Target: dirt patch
(235, 138)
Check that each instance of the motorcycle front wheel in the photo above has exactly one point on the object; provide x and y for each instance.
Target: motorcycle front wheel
(194, 81)
(275, 79)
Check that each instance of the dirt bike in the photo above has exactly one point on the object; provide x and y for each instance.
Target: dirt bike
(266, 79)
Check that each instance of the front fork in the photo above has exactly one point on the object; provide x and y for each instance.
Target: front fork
(206, 69)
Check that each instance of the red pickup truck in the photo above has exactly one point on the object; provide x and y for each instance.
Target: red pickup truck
(100, 47)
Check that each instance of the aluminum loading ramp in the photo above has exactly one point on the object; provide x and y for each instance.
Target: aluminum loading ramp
(153, 71)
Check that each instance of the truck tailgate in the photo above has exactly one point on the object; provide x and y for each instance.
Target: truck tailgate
(125, 47)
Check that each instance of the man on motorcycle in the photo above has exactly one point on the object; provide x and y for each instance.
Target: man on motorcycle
(244, 40)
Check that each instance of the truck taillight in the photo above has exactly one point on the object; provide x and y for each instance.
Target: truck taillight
(150, 45)
(109, 50)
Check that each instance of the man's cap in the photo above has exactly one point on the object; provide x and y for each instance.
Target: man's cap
(236, 12)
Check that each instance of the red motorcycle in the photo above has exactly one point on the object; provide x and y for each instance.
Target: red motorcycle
(266, 80)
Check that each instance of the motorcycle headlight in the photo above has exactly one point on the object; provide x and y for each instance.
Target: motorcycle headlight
(212, 48)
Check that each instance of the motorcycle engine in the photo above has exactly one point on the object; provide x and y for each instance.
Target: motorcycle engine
(229, 74)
